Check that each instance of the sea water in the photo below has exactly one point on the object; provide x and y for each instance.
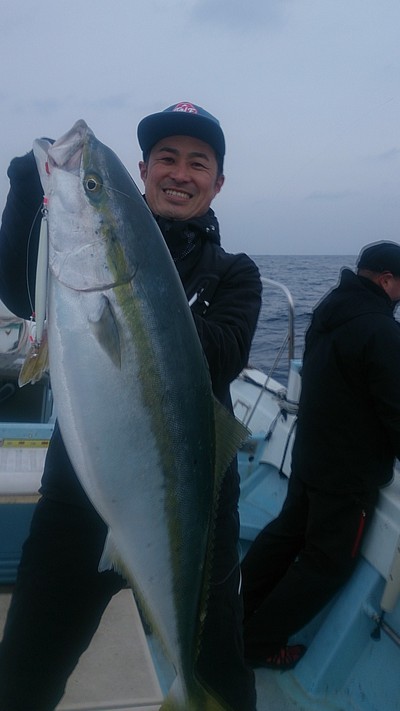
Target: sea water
(308, 279)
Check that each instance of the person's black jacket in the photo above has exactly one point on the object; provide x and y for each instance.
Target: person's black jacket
(225, 290)
(348, 430)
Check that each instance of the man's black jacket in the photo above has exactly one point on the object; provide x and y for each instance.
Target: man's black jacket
(348, 431)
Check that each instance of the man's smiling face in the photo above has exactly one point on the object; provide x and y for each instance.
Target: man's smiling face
(180, 177)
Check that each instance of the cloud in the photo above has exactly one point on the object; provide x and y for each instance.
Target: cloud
(237, 14)
(391, 154)
(330, 196)
(48, 105)
(117, 101)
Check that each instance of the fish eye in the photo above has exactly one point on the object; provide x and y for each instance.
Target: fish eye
(92, 184)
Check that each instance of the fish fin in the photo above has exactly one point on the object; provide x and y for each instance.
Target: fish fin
(110, 558)
(196, 698)
(230, 434)
(105, 329)
(36, 363)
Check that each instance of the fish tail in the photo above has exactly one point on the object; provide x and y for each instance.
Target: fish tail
(196, 698)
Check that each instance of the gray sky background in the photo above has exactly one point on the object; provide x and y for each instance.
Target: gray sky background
(307, 92)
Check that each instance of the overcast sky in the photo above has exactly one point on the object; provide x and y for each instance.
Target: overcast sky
(307, 92)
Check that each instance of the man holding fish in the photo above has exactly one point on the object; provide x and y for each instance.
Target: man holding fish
(105, 255)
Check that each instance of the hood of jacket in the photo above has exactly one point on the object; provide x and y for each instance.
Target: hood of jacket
(354, 296)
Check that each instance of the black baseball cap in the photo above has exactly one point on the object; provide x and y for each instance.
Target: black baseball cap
(182, 119)
(381, 257)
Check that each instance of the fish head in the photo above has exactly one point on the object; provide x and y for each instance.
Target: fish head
(93, 206)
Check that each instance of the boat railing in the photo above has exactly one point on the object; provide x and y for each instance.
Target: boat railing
(289, 339)
(282, 393)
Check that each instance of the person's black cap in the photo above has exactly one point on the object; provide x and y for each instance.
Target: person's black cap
(381, 257)
(182, 119)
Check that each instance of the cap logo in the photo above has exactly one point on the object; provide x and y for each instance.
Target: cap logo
(186, 107)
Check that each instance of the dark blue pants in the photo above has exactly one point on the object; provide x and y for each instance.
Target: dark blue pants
(299, 561)
(56, 607)
(60, 596)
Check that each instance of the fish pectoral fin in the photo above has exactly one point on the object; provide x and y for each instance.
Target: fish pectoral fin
(105, 329)
(230, 434)
(110, 558)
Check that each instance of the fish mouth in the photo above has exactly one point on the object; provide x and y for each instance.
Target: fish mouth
(66, 152)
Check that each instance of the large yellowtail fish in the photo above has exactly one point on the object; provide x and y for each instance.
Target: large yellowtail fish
(133, 395)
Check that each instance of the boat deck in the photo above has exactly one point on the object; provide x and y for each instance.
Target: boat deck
(116, 673)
